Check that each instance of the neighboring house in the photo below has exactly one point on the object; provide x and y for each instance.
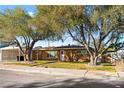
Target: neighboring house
(62, 53)
(117, 56)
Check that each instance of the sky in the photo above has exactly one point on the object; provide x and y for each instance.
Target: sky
(31, 10)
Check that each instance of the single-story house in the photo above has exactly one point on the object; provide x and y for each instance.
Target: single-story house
(62, 53)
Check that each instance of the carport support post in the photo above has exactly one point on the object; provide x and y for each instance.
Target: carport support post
(19, 54)
(37, 54)
(1, 55)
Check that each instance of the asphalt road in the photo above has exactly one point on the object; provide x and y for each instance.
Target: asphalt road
(12, 79)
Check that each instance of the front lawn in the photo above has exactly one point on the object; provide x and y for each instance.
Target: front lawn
(67, 65)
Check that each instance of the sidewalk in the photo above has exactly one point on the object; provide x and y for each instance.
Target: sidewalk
(66, 72)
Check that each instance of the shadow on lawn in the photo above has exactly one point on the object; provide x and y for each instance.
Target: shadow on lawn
(71, 83)
(110, 65)
(49, 62)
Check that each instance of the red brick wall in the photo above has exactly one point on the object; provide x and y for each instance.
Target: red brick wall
(42, 55)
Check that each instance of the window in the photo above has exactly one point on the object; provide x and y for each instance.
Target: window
(81, 52)
(52, 54)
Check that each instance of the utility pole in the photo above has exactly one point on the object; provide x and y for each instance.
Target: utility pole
(48, 43)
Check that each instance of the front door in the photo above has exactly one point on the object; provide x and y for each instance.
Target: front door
(62, 55)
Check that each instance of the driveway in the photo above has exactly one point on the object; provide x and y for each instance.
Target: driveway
(13, 79)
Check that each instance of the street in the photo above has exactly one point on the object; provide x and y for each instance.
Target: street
(12, 79)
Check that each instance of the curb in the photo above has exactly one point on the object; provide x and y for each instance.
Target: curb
(44, 71)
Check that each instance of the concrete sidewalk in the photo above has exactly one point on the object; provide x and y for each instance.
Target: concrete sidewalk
(65, 72)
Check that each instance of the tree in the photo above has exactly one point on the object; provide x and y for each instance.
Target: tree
(25, 30)
(98, 28)
(17, 26)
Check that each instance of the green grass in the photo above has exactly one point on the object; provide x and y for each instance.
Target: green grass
(102, 68)
(19, 63)
(106, 64)
(67, 65)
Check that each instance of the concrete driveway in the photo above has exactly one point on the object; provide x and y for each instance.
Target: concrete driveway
(12, 79)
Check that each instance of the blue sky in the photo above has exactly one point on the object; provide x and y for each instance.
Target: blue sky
(31, 9)
(26, 7)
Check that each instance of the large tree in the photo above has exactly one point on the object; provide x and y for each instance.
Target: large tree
(98, 28)
(17, 26)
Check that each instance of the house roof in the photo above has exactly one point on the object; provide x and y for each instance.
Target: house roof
(60, 47)
(71, 47)
(47, 48)
(9, 47)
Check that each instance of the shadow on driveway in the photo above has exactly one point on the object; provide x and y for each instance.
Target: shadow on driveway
(72, 83)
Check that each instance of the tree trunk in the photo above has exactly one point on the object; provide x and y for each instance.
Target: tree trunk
(93, 60)
(25, 57)
(29, 53)
(29, 56)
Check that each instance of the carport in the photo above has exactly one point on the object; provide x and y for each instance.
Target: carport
(10, 53)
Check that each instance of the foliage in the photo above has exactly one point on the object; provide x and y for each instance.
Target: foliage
(23, 29)
(16, 24)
